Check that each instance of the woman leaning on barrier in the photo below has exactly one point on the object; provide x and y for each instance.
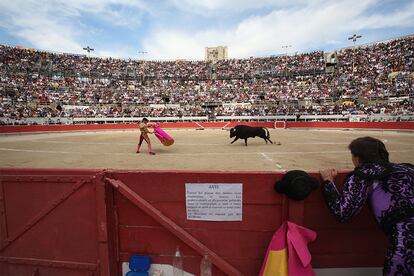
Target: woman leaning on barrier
(389, 188)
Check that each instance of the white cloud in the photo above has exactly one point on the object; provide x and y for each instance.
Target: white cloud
(208, 6)
(73, 7)
(399, 18)
(305, 27)
(55, 25)
(166, 45)
(31, 24)
(60, 25)
(118, 52)
(117, 12)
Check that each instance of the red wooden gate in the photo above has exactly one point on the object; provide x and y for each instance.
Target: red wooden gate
(51, 223)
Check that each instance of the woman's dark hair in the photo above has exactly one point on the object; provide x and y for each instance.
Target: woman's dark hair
(145, 120)
(369, 150)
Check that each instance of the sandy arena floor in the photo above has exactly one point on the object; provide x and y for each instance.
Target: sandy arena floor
(208, 149)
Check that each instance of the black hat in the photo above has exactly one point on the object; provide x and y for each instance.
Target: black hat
(296, 184)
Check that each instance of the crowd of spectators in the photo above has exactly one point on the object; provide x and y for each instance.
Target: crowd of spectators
(269, 66)
(35, 84)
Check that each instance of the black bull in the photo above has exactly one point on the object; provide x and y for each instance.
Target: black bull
(244, 132)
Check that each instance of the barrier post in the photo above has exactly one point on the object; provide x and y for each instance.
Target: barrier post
(102, 224)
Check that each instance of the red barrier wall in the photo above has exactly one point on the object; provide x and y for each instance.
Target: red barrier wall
(73, 222)
(45, 128)
(356, 125)
(94, 127)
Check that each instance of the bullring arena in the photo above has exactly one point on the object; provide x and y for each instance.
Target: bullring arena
(207, 149)
(76, 198)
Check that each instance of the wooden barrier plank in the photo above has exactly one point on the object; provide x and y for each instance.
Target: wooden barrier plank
(169, 187)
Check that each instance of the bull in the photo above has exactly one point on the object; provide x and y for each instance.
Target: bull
(244, 132)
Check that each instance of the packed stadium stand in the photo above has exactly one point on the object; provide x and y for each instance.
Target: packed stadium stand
(374, 82)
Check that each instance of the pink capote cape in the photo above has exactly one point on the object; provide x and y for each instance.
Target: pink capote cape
(164, 138)
(288, 252)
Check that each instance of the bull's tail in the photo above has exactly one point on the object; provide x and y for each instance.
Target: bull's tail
(267, 132)
(267, 135)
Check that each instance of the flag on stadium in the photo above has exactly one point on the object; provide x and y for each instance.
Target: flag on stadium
(288, 252)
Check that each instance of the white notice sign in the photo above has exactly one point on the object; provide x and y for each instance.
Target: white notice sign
(214, 201)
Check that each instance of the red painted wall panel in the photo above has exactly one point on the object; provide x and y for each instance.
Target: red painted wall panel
(338, 245)
(48, 222)
(25, 207)
(95, 127)
(70, 231)
(363, 125)
(44, 128)
(258, 213)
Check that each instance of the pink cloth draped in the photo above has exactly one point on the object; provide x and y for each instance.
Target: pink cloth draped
(295, 238)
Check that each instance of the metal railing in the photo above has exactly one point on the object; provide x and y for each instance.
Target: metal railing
(131, 120)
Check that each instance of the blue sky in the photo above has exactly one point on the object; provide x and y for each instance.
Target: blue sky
(181, 29)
